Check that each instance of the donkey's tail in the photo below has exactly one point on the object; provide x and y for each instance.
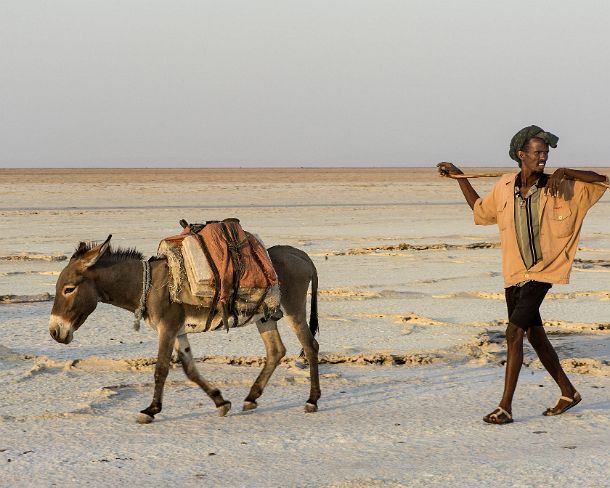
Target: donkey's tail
(313, 315)
(314, 326)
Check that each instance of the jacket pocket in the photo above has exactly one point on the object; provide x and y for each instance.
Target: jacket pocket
(562, 221)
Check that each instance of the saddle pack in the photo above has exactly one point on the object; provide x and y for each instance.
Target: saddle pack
(220, 266)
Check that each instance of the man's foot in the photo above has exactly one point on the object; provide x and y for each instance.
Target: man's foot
(564, 403)
(498, 416)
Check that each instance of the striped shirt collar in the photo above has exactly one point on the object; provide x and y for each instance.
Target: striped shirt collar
(539, 183)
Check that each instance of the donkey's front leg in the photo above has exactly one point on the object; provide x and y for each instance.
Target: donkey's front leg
(164, 355)
(185, 355)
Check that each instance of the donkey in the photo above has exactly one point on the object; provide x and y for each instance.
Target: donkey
(99, 273)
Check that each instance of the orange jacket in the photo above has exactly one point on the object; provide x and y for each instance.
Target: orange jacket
(561, 219)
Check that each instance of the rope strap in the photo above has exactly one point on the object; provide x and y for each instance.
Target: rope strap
(141, 310)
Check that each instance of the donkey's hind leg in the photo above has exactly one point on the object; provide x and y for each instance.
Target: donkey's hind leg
(310, 347)
(183, 349)
(275, 352)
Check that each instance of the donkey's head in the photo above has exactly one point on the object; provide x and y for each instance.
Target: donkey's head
(76, 295)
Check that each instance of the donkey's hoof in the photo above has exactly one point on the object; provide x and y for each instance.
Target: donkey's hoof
(144, 418)
(224, 409)
(249, 406)
(311, 407)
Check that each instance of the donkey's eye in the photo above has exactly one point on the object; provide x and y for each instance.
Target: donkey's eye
(69, 289)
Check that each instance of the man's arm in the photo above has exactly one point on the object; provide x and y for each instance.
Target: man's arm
(469, 192)
(561, 174)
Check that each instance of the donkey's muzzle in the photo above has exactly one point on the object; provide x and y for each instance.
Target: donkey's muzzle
(60, 332)
(54, 333)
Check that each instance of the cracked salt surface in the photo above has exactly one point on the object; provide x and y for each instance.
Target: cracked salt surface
(411, 344)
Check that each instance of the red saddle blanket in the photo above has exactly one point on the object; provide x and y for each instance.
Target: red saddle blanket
(236, 258)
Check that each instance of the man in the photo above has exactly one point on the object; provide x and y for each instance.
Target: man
(539, 217)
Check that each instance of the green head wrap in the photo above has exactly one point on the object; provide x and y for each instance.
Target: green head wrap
(524, 135)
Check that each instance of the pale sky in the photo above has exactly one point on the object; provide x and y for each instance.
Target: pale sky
(194, 83)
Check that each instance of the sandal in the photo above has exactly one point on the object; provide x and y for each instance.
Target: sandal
(498, 416)
(572, 402)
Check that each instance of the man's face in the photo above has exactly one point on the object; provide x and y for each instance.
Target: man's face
(534, 155)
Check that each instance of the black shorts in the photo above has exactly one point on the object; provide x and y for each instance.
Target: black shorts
(523, 303)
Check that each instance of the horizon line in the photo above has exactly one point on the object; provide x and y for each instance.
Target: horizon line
(304, 167)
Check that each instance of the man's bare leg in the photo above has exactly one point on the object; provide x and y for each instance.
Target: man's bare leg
(549, 359)
(514, 360)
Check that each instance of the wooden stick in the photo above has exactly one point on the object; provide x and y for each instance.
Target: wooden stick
(476, 175)
(497, 175)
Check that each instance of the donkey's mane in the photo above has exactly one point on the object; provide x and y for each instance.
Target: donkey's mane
(110, 255)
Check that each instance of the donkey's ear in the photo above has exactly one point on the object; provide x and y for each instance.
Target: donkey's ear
(92, 256)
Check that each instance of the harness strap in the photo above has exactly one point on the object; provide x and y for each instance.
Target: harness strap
(234, 245)
(257, 306)
(140, 312)
(214, 269)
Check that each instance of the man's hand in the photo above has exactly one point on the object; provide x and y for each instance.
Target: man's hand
(447, 169)
(561, 174)
(554, 182)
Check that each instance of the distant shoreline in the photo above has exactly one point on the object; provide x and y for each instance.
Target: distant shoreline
(226, 175)
(288, 168)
